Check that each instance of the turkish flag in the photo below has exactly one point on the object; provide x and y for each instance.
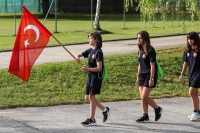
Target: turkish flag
(32, 37)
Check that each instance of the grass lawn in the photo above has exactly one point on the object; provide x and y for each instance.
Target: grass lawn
(74, 28)
(64, 82)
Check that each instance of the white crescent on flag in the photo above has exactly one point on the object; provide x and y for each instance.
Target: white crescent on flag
(36, 31)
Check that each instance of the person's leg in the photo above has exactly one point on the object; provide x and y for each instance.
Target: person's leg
(145, 117)
(143, 103)
(147, 100)
(195, 103)
(106, 110)
(90, 121)
(92, 106)
(99, 105)
(194, 98)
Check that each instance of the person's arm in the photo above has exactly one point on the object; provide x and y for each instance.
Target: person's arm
(99, 58)
(152, 71)
(78, 56)
(95, 69)
(83, 54)
(138, 74)
(183, 71)
(152, 74)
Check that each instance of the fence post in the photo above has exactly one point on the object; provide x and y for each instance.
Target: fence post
(55, 15)
(124, 19)
(15, 17)
(92, 13)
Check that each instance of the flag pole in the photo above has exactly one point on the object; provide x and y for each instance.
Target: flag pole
(67, 50)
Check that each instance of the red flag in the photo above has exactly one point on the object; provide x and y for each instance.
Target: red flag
(32, 37)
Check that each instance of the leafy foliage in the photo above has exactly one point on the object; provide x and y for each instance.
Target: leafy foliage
(148, 9)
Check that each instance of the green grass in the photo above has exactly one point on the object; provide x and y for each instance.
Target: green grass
(64, 82)
(74, 28)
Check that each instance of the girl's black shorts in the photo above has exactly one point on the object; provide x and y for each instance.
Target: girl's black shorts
(194, 84)
(144, 80)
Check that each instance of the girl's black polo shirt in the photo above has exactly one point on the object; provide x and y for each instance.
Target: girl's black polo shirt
(145, 67)
(193, 64)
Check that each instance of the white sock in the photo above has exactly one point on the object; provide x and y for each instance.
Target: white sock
(105, 109)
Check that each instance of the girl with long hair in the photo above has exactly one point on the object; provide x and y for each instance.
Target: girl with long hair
(147, 75)
(191, 58)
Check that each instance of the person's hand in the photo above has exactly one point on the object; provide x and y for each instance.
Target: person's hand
(151, 83)
(85, 68)
(180, 78)
(137, 78)
(137, 81)
(78, 59)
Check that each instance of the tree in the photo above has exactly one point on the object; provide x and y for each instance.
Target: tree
(149, 8)
(97, 15)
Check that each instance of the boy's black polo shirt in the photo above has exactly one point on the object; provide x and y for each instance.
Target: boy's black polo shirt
(92, 59)
(94, 78)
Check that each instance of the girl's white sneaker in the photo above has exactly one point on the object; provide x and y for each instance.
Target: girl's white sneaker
(195, 116)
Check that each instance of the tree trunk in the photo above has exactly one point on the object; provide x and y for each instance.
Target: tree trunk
(45, 7)
(96, 22)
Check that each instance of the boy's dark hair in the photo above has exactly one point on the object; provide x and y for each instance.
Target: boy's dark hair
(146, 38)
(193, 36)
(97, 37)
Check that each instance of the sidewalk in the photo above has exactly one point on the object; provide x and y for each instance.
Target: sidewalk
(67, 118)
(58, 54)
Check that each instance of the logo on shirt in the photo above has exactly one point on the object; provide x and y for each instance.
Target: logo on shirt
(195, 54)
(144, 56)
(188, 54)
(93, 56)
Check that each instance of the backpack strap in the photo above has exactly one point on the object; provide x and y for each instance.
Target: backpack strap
(102, 66)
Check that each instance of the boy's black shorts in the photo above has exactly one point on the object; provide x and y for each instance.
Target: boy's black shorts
(144, 80)
(93, 85)
(92, 90)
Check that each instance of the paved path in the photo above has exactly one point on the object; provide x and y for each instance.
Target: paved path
(67, 118)
(57, 54)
